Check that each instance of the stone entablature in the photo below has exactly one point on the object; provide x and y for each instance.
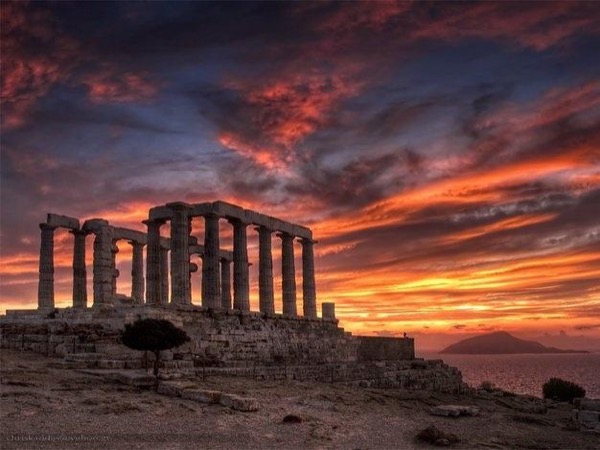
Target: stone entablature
(164, 274)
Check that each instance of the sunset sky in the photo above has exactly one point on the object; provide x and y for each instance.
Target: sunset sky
(445, 155)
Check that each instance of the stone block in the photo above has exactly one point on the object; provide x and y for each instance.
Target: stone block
(454, 410)
(239, 403)
(83, 357)
(56, 220)
(588, 404)
(202, 395)
(228, 210)
(588, 419)
(129, 235)
(110, 364)
(174, 388)
(135, 379)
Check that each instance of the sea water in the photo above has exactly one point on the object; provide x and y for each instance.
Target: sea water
(526, 373)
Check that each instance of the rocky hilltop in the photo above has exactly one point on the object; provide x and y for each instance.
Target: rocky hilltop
(500, 342)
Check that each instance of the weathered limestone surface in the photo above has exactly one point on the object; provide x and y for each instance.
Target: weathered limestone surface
(46, 282)
(373, 348)
(163, 271)
(103, 270)
(225, 284)
(241, 278)
(180, 254)
(219, 337)
(79, 270)
(308, 278)
(164, 275)
(137, 272)
(328, 310)
(288, 274)
(58, 221)
(153, 278)
(265, 271)
(225, 343)
(210, 263)
(115, 272)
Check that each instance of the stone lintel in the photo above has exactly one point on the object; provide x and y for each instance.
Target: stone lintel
(160, 213)
(261, 220)
(228, 210)
(302, 232)
(94, 225)
(130, 235)
(200, 209)
(175, 205)
(58, 221)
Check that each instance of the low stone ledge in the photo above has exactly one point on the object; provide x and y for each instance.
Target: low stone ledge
(202, 395)
(110, 364)
(135, 379)
(238, 403)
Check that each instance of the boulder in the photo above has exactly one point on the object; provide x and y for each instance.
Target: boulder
(174, 388)
(454, 410)
(433, 435)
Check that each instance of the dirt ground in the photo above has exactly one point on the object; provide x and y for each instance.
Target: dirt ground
(43, 407)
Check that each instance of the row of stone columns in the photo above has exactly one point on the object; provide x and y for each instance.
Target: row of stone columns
(216, 271)
(104, 267)
(216, 289)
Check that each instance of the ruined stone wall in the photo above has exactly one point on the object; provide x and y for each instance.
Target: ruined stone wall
(256, 345)
(376, 348)
(218, 337)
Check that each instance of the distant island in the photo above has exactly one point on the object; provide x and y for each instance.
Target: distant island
(498, 343)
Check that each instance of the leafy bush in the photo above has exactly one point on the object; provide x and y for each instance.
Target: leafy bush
(153, 335)
(562, 390)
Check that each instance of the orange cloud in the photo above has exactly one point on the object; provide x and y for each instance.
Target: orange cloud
(108, 85)
(27, 72)
(283, 111)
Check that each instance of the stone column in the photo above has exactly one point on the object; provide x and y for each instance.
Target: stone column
(137, 272)
(115, 272)
(225, 283)
(328, 310)
(180, 254)
(241, 278)
(79, 270)
(211, 290)
(265, 271)
(309, 296)
(103, 268)
(288, 274)
(164, 276)
(153, 262)
(46, 280)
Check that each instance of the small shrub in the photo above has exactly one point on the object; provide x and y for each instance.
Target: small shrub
(562, 390)
(292, 418)
(153, 335)
(487, 386)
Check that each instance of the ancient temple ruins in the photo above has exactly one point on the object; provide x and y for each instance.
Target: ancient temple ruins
(226, 337)
(175, 271)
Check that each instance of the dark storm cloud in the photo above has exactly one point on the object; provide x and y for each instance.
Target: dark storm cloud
(355, 184)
